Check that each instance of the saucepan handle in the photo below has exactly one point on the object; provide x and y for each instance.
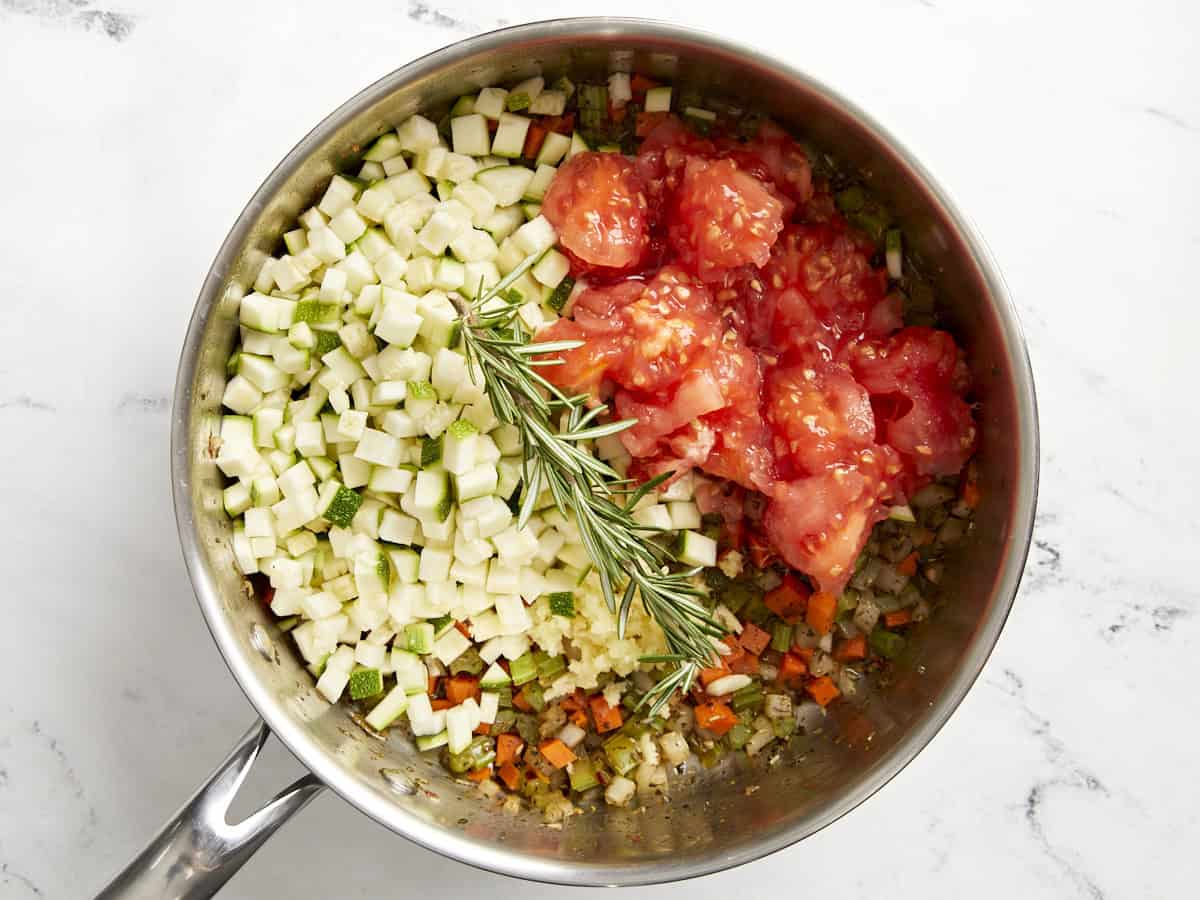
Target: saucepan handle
(197, 851)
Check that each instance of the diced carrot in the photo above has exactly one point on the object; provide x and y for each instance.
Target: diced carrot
(606, 717)
(508, 749)
(480, 774)
(648, 121)
(510, 775)
(639, 83)
(461, 687)
(574, 701)
(709, 675)
(561, 124)
(483, 728)
(792, 668)
(520, 702)
(851, 649)
(463, 629)
(579, 717)
(822, 607)
(897, 618)
(746, 664)
(970, 494)
(754, 639)
(822, 690)
(440, 703)
(735, 648)
(805, 653)
(789, 599)
(716, 717)
(556, 752)
(908, 565)
(533, 140)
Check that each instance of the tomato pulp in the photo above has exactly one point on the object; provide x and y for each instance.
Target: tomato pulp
(727, 306)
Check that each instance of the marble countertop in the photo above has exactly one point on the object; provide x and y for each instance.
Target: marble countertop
(132, 135)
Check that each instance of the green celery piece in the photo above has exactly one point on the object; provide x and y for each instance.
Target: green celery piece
(583, 775)
(550, 667)
(781, 637)
(886, 643)
(851, 200)
(738, 735)
(534, 696)
(517, 102)
(622, 753)
(523, 669)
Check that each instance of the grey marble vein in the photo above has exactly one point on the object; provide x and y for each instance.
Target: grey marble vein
(422, 12)
(1168, 116)
(144, 403)
(24, 401)
(1067, 775)
(9, 875)
(75, 14)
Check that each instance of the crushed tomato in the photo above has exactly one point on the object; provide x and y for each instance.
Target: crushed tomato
(730, 308)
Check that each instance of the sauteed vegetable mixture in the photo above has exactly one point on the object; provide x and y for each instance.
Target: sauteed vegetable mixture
(591, 432)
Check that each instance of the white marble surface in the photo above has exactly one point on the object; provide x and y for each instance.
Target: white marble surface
(131, 136)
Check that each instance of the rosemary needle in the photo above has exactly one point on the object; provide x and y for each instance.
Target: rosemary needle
(556, 460)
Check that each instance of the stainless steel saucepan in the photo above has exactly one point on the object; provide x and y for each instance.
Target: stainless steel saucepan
(711, 823)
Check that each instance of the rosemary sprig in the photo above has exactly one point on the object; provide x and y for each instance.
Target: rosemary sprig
(554, 460)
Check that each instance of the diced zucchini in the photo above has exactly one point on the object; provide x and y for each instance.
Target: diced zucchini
(418, 637)
(495, 677)
(431, 495)
(365, 683)
(385, 147)
(432, 741)
(507, 185)
(578, 145)
(470, 135)
(387, 710)
(694, 549)
(658, 99)
(463, 106)
(491, 102)
(536, 189)
(338, 504)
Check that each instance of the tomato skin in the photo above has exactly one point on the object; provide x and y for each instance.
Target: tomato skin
(598, 206)
(781, 161)
(921, 376)
(722, 218)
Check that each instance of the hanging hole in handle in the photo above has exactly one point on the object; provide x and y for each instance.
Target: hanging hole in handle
(274, 766)
(198, 849)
